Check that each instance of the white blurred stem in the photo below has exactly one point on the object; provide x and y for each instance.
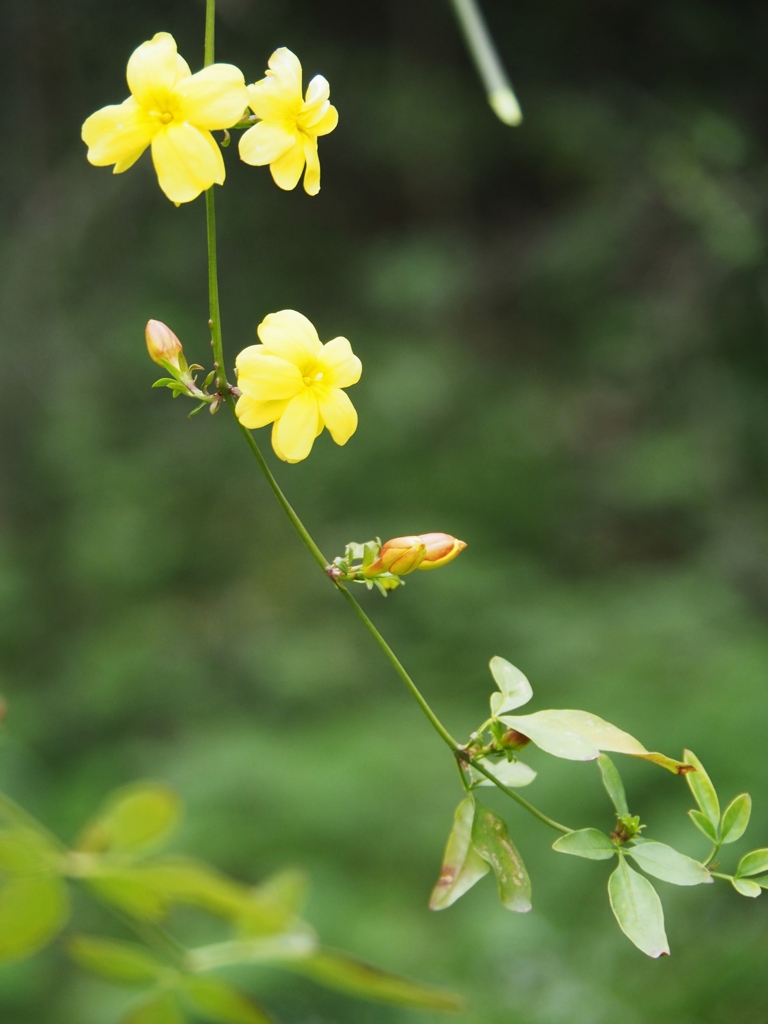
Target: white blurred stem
(501, 95)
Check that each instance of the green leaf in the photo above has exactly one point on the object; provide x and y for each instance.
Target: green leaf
(586, 842)
(128, 889)
(219, 1002)
(753, 863)
(736, 818)
(614, 787)
(515, 688)
(134, 819)
(275, 949)
(33, 909)
(124, 962)
(514, 774)
(25, 852)
(184, 880)
(164, 382)
(462, 866)
(703, 824)
(491, 841)
(663, 862)
(637, 908)
(160, 1009)
(703, 791)
(272, 906)
(580, 736)
(746, 887)
(345, 973)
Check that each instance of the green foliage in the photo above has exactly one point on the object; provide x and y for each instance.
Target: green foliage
(589, 843)
(219, 1002)
(124, 962)
(491, 841)
(736, 818)
(614, 787)
(462, 864)
(703, 791)
(663, 862)
(637, 908)
(515, 688)
(162, 1008)
(135, 819)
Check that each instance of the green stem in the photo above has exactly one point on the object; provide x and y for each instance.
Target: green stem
(210, 31)
(718, 874)
(713, 854)
(501, 95)
(478, 766)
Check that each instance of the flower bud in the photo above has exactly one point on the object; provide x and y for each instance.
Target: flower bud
(440, 549)
(162, 344)
(399, 556)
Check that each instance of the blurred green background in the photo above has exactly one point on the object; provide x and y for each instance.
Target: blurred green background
(563, 329)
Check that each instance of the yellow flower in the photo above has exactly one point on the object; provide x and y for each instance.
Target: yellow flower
(295, 382)
(175, 112)
(286, 135)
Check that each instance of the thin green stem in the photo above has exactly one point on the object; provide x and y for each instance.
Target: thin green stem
(718, 874)
(501, 95)
(478, 766)
(210, 31)
(713, 854)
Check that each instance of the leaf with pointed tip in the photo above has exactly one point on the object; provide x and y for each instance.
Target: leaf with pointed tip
(637, 908)
(514, 774)
(134, 819)
(340, 971)
(736, 818)
(590, 843)
(462, 866)
(753, 863)
(580, 736)
(664, 862)
(124, 962)
(491, 841)
(614, 787)
(269, 949)
(515, 688)
(159, 1009)
(703, 791)
(703, 824)
(128, 889)
(33, 910)
(746, 887)
(184, 880)
(221, 1003)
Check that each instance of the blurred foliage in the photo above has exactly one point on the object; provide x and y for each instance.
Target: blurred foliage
(563, 329)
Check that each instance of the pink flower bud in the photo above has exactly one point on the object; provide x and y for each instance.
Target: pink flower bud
(440, 549)
(399, 556)
(162, 343)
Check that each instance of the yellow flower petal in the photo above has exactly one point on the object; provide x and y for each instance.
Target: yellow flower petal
(338, 413)
(187, 161)
(266, 377)
(254, 414)
(339, 366)
(153, 70)
(327, 123)
(285, 68)
(312, 177)
(296, 429)
(318, 91)
(264, 143)
(291, 336)
(118, 134)
(269, 102)
(286, 170)
(213, 98)
(182, 68)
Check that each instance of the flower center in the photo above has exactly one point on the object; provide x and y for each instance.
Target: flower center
(166, 117)
(309, 381)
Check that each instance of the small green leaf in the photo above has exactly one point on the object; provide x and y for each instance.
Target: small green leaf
(746, 887)
(514, 774)
(184, 880)
(736, 818)
(515, 688)
(462, 866)
(637, 908)
(24, 852)
(703, 824)
(134, 819)
(753, 863)
(345, 973)
(159, 1009)
(33, 909)
(272, 906)
(491, 841)
(663, 862)
(124, 962)
(275, 949)
(221, 1003)
(614, 787)
(164, 382)
(129, 890)
(703, 791)
(586, 842)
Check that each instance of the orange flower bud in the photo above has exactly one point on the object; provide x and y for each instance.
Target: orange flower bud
(440, 549)
(162, 344)
(399, 556)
